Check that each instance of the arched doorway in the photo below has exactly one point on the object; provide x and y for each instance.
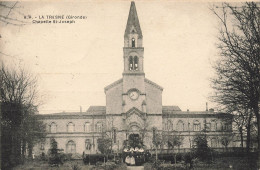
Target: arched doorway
(135, 140)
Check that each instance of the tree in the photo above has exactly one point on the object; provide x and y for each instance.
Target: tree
(55, 158)
(202, 150)
(19, 126)
(157, 141)
(237, 81)
(104, 145)
(175, 140)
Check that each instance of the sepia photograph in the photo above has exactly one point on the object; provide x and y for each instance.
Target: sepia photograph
(130, 85)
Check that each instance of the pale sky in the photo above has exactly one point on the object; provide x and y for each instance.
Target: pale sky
(74, 62)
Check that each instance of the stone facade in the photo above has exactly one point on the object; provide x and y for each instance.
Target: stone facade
(133, 103)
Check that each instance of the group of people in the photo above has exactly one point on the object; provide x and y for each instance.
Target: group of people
(130, 160)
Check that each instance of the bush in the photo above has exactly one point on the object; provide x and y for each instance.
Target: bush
(110, 166)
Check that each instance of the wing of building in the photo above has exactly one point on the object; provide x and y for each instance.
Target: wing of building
(133, 104)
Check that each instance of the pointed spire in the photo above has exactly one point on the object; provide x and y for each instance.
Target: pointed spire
(133, 22)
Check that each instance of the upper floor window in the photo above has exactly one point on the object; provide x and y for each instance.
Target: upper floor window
(225, 127)
(196, 125)
(208, 126)
(169, 125)
(53, 127)
(133, 42)
(71, 147)
(87, 127)
(135, 63)
(99, 127)
(70, 127)
(213, 125)
(131, 63)
(180, 126)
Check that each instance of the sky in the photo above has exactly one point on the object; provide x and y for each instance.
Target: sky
(74, 62)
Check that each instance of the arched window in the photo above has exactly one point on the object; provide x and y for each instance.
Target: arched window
(180, 126)
(135, 63)
(225, 126)
(88, 144)
(87, 127)
(169, 125)
(99, 127)
(208, 126)
(70, 127)
(131, 63)
(114, 135)
(53, 127)
(71, 147)
(196, 125)
(133, 42)
(214, 125)
(214, 142)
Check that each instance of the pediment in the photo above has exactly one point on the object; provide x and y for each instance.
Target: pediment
(134, 112)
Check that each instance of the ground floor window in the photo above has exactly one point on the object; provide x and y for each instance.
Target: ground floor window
(71, 147)
(88, 144)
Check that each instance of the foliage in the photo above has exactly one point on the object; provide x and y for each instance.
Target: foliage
(55, 157)
(225, 140)
(110, 166)
(75, 167)
(202, 150)
(20, 127)
(237, 81)
(104, 145)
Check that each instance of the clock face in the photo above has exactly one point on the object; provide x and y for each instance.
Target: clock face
(133, 95)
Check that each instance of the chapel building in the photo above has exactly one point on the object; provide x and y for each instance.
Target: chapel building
(133, 106)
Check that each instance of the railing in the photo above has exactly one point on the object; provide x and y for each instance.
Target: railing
(185, 150)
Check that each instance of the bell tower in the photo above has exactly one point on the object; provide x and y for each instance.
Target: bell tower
(133, 74)
(133, 44)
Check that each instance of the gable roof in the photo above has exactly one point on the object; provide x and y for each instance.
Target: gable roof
(113, 84)
(153, 84)
(96, 110)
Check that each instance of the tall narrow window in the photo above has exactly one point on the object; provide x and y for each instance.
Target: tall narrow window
(133, 42)
(99, 127)
(196, 125)
(114, 135)
(180, 126)
(87, 127)
(88, 144)
(71, 147)
(154, 133)
(135, 63)
(53, 127)
(70, 127)
(131, 63)
(214, 143)
(169, 125)
(214, 125)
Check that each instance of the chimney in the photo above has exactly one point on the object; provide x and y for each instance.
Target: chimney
(188, 110)
(207, 106)
(80, 109)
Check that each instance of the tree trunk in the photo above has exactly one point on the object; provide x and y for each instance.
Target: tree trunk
(248, 135)
(30, 148)
(156, 154)
(256, 110)
(241, 137)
